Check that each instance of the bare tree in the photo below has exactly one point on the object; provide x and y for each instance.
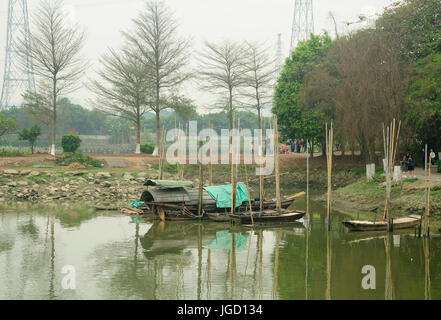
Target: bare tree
(55, 54)
(162, 52)
(123, 89)
(222, 71)
(259, 78)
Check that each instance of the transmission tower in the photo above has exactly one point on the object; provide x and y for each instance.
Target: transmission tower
(303, 22)
(18, 77)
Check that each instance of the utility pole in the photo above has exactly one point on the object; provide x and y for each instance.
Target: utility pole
(18, 77)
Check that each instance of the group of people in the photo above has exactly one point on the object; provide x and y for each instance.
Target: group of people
(408, 162)
(297, 146)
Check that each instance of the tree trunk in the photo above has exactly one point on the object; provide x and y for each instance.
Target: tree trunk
(158, 134)
(138, 135)
(54, 120)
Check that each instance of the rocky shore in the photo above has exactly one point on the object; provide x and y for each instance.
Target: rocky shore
(100, 188)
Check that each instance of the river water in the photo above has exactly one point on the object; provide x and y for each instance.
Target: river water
(81, 254)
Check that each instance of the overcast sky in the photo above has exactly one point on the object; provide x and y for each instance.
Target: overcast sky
(213, 20)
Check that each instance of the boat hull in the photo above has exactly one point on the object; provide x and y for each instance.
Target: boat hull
(381, 225)
(268, 218)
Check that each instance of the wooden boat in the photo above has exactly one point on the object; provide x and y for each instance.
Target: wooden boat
(268, 217)
(381, 225)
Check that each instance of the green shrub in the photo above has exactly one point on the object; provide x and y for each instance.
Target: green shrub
(70, 142)
(12, 153)
(70, 157)
(147, 148)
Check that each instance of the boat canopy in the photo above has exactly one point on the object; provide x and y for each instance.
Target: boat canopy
(222, 194)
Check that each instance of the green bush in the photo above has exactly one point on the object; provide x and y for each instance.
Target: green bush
(12, 153)
(70, 142)
(147, 148)
(70, 157)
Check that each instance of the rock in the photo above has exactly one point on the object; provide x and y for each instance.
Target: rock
(12, 184)
(142, 175)
(106, 184)
(140, 180)
(128, 177)
(34, 173)
(22, 183)
(25, 172)
(104, 175)
(11, 172)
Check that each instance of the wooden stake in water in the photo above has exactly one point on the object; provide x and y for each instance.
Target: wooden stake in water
(201, 185)
(277, 164)
(249, 194)
(233, 174)
(391, 139)
(427, 212)
(307, 183)
(210, 164)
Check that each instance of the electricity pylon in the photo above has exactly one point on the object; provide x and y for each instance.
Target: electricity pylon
(18, 77)
(303, 22)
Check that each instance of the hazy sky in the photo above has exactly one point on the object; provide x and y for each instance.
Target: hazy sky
(213, 20)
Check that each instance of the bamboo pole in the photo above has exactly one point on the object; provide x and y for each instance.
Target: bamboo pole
(262, 146)
(233, 176)
(329, 154)
(178, 164)
(277, 164)
(307, 183)
(249, 194)
(201, 185)
(427, 213)
(210, 164)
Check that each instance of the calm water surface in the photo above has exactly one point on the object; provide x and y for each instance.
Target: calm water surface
(115, 258)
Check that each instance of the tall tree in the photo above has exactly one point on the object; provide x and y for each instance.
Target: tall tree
(259, 79)
(162, 52)
(55, 52)
(123, 88)
(222, 71)
(295, 121)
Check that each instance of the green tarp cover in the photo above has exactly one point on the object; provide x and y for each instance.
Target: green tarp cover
(222, 194)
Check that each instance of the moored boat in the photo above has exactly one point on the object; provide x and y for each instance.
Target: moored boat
(381, 225)
(268, 217)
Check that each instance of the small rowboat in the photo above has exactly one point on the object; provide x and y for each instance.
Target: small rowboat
(381, 225)
(269, 217)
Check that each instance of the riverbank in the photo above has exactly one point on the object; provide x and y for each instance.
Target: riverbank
(117, 187)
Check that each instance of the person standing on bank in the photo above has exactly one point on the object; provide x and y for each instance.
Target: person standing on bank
(411, 166)
(405, 165)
